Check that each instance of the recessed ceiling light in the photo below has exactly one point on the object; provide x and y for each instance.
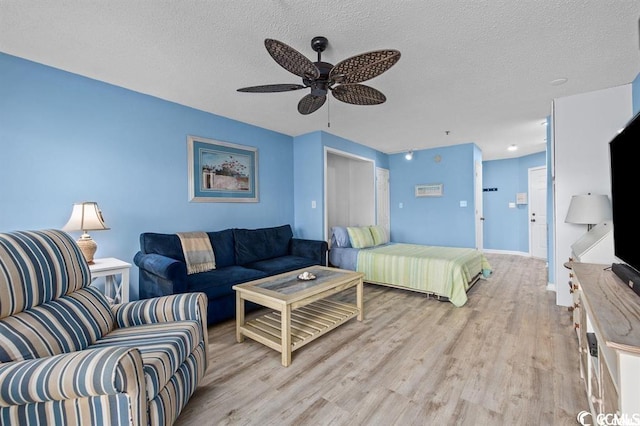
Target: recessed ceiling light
(558, 81)
(512, 147)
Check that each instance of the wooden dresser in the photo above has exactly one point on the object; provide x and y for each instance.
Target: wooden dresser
(606, 313)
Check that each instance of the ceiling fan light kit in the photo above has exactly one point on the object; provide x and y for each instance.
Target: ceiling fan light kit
(343, 79)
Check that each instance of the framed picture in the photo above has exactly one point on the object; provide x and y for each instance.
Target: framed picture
(429, 190)
(222, 172)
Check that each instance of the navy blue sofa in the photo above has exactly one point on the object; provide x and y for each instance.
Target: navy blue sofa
(241, 255)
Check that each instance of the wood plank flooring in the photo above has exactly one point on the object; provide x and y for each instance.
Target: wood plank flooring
(509, 356)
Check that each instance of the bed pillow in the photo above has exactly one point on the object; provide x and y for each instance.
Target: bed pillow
(340, 237)
(360, 236)
(379, 235)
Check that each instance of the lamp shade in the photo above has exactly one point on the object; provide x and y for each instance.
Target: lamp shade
(589, 209)
(85, 216)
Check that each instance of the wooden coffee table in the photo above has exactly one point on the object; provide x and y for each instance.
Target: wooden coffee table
(302, 311)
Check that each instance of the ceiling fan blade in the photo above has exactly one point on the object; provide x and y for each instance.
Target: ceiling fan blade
(268, 88)
(357, 69)
(310, 103)
(358, 94)
(291, 60)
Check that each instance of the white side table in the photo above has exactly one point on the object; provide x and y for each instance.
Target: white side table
(109, 267)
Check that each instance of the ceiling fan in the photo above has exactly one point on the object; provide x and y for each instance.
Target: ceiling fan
(342, 79)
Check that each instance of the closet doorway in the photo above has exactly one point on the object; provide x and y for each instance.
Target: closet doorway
(383, 210)
(350, 187)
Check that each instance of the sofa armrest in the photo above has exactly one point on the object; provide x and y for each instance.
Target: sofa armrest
(179, 307)
(160, 275)
(312, 249)
(75, 375)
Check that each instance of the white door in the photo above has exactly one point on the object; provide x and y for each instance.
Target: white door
(382, 199)
(479, 219)
(538, 212)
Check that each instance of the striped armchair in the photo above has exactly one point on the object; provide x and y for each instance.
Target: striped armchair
(68, 357)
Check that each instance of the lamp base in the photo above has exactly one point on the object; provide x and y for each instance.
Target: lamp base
(88, 247)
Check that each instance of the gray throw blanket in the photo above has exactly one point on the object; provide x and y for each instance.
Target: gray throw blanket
(198, 253)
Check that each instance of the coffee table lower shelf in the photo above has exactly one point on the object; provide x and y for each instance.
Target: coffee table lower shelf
(307, 323)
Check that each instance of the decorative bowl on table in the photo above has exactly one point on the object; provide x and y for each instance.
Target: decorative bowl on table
(306, 276)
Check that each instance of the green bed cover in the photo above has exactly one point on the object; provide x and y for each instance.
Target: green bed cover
(445, 271)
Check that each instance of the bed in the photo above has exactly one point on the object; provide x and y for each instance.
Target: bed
(446, 273)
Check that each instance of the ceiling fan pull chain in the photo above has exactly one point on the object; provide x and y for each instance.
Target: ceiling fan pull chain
(328, 111)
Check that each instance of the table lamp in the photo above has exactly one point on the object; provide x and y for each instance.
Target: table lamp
(86, 216)
(589, 209)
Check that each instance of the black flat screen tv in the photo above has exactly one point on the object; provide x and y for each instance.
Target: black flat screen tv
(624, 150)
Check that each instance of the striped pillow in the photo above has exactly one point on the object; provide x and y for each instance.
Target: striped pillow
(360, 236)
(379, 234)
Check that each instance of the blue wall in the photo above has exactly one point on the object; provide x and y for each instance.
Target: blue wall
(308, 172)
(433, 220)
(65, 138)
(332, 141)
(507, 228)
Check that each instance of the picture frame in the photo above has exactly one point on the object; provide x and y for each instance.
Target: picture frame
(221, 172)
(429, 190)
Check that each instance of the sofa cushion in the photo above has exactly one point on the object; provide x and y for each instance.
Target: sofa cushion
(163, 346)
(70, 323)
(253, 245)
(282, 264)
(218, 282)
(164, 244)
(169, 245)
(223, 247)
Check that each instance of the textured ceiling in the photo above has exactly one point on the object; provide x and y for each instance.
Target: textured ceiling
(479, 69)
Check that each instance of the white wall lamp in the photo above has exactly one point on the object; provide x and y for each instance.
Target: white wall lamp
(589, 209)
(86, 216)
(409, 155)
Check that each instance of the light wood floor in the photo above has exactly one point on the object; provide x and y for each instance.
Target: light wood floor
(509, 356)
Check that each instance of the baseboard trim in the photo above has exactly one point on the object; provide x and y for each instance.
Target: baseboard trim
(551, 287)
(516, 253)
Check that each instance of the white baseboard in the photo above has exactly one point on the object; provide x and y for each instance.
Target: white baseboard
(551, 287)
(516, 253)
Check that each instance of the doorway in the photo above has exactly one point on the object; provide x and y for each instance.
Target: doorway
(383, 216)
(350, 190)
(538, 212)
(479, 215)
